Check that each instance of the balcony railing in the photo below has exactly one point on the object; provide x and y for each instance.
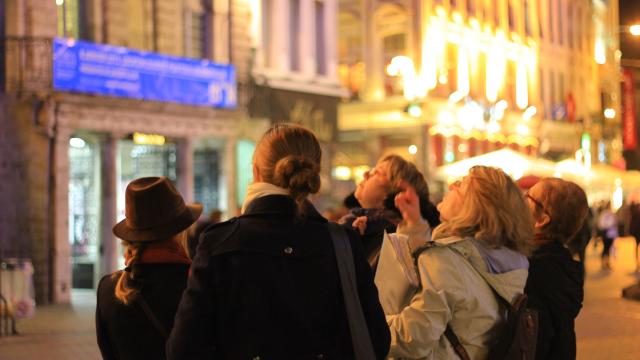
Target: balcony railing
(25, 64)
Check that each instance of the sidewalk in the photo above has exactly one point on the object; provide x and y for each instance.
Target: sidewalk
(608, 326)
(60, 332)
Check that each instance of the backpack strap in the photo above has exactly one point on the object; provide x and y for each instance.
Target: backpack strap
(152, 317)
(360, 339)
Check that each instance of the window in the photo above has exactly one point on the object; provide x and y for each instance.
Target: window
(196, 24)
(70, 20)
(512, 17)
(471, 7)
(560, 15)
(550, 26)
(141, 25)
(294, 34)
(527, 18)
(540, 23)
(267, 9)
(321, 60)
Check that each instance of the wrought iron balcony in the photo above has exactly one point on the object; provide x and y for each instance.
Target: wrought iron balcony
(25, 64)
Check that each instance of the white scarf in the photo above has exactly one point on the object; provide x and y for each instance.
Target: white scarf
(260, 189)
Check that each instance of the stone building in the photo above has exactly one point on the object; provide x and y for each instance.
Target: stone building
(66, 156)
(439, 81)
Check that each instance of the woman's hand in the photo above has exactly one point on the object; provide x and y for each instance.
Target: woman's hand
(408, 203)
(360, 223)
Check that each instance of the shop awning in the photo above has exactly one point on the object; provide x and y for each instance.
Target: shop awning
(513, 163)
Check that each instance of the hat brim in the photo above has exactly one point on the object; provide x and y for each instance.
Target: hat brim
(181, 222)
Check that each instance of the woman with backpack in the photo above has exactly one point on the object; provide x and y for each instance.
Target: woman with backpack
(478, 251)
(136, 306)
(555, 282)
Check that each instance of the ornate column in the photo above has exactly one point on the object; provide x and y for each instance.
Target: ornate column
(61, 249)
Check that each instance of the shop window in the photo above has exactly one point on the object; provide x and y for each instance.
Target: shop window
(71, 19)
(244, 168)
(206, 181)
(84, 210)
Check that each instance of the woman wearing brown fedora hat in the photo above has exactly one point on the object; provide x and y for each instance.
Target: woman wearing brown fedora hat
(136, 306)
(267, 284)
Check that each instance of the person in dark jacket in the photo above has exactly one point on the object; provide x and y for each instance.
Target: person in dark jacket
(555, 282)
(376, 195)
(136, 306)
(265, 285)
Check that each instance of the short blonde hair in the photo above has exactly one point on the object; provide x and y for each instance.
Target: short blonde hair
(493, 211)
(400, 169)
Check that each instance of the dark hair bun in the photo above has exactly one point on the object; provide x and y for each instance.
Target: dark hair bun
(298, 175)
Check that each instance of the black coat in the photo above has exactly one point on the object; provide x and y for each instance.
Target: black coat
(124, 331)
(266, 285)
(555, 288)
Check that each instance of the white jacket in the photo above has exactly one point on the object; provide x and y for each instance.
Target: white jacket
(451, 292)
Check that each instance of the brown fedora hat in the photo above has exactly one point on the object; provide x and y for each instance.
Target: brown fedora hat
(154, 210)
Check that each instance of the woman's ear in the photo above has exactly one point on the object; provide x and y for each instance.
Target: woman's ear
(256, 174)
(542, 222)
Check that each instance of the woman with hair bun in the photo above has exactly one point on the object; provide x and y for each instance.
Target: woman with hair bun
(265, 285)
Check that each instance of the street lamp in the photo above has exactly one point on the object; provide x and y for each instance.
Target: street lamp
(634, 30)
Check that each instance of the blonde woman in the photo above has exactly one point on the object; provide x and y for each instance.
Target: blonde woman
(136, 306)
(486, 230)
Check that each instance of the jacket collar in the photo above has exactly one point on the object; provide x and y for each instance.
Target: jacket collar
(280, 205)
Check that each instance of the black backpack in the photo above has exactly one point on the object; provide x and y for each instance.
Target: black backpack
(516, 340)
(518, 336)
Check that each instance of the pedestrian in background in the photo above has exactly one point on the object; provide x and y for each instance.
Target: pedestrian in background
(479, 250)
(634, 227)
(376, 194)
(198, 228)
(136, 306)
(608, 229)
(265, 285)
(555, 282)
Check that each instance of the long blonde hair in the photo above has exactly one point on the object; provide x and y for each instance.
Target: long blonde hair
(126, 287)
(493, 211)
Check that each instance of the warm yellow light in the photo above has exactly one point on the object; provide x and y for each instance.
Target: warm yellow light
(634, 30)
(412, 149)
(358, 173)
(456, 96)
(148, 139)
(617, 198)
(342, 173)
(529, 113)
(59, 2)
(522, 129)
(609, 113)
(463, 71)
(522, 87)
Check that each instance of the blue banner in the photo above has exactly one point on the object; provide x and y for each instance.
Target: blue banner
(84, 67)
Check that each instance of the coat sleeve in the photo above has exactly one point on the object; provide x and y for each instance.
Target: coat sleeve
(193, 336)
(368, 293)
(417, 329)
(105, 344)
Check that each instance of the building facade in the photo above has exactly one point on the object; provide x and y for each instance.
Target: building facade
(67, 153)
(439, 81)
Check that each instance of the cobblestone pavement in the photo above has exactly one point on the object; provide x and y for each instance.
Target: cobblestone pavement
(608, 326)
